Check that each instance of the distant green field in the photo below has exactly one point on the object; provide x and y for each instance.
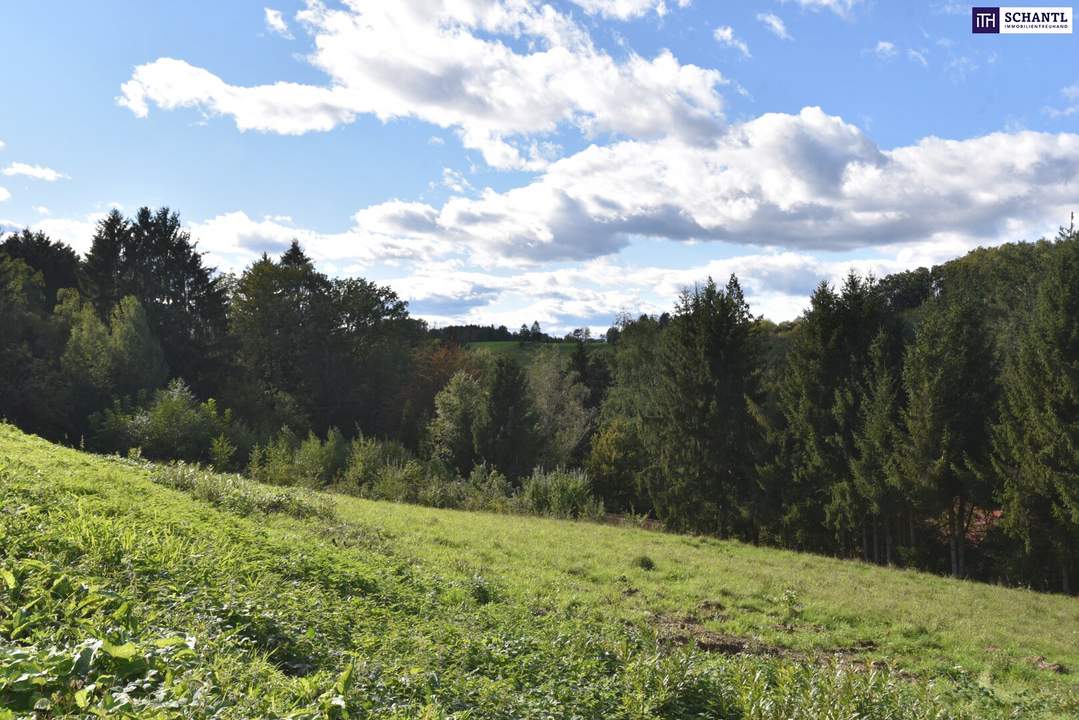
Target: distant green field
(129, 590)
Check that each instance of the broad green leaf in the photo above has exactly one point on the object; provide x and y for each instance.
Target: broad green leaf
(120, 652)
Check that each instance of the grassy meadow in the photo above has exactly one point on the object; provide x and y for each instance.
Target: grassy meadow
(134, 590)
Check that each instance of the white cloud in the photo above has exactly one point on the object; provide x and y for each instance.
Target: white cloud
(626, 9)
(76, 232)
(42, 210)
(806, 181)
(2, 145)
(724, 35)
(4, 194)
(774, 23)
(1071, 106)
(275, 23)
(393, 231)
(448, 62)
(841, 8)
(918, 56)
(435, 140)
(455, 181)
(885, 49)
(37, 172)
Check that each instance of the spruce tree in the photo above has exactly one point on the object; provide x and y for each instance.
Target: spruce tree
(949, 377)
(699, 430)
(872, 467)
(1036, 442)
(506, 433)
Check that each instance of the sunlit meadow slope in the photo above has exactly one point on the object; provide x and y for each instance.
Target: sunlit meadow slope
(129, 589)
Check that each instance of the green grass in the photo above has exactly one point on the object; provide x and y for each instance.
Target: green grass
(133, 590)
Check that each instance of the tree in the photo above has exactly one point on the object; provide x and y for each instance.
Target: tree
(950, 383)
(137, 361)
(32, 394)
(699, 433)
(339, 348)
(819, 407)
(282, 320)
(452, 430)
(100, 360)
(1036, 441)
(615, 463)
(506, 431)
(57, 262)
(430, 368)
(872, 467)
(564, 421)
(103, 275)
(152, 258)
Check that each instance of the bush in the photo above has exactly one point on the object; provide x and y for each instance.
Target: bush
(174, 425)
(311, 463)
(561, 493)
(366, 458)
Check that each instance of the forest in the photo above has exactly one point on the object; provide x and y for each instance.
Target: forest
(928, 419)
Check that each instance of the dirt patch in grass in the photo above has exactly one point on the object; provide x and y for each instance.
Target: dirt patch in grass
(687, 629)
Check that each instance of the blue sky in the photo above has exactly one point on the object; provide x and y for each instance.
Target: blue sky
(509, 160)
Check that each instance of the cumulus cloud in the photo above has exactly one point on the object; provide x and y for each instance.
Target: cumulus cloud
(393, 231)
(77, 232)
(4, 194)
(795, 183)
(724, 35)
(458, 64)
(275, 23)
(36, 172)
(42, 210)
(805, 181)
(775, 24)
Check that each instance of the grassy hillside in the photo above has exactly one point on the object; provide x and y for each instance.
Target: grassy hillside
(129, 589)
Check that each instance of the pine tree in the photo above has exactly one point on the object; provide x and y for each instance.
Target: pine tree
(699, 432)
(102, 268)
(1036, 442)
(872, 468)
(506, 432)
(950, 382)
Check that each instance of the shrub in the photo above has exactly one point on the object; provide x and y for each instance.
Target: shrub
(644, 563)
(173, 425)
(366, 457)
(561, 493)
(311, 463)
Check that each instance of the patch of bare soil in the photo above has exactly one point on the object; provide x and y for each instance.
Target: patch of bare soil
(1041, 663)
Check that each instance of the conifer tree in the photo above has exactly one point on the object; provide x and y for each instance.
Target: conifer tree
(950, 383)
(1036, 442)
(699, 428)
(506, 432)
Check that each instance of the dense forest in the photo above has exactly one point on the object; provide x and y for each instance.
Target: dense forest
(929, 419)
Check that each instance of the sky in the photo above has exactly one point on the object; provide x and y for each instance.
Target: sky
(504, 161)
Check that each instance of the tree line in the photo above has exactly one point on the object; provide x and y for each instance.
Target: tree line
(929, 419)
